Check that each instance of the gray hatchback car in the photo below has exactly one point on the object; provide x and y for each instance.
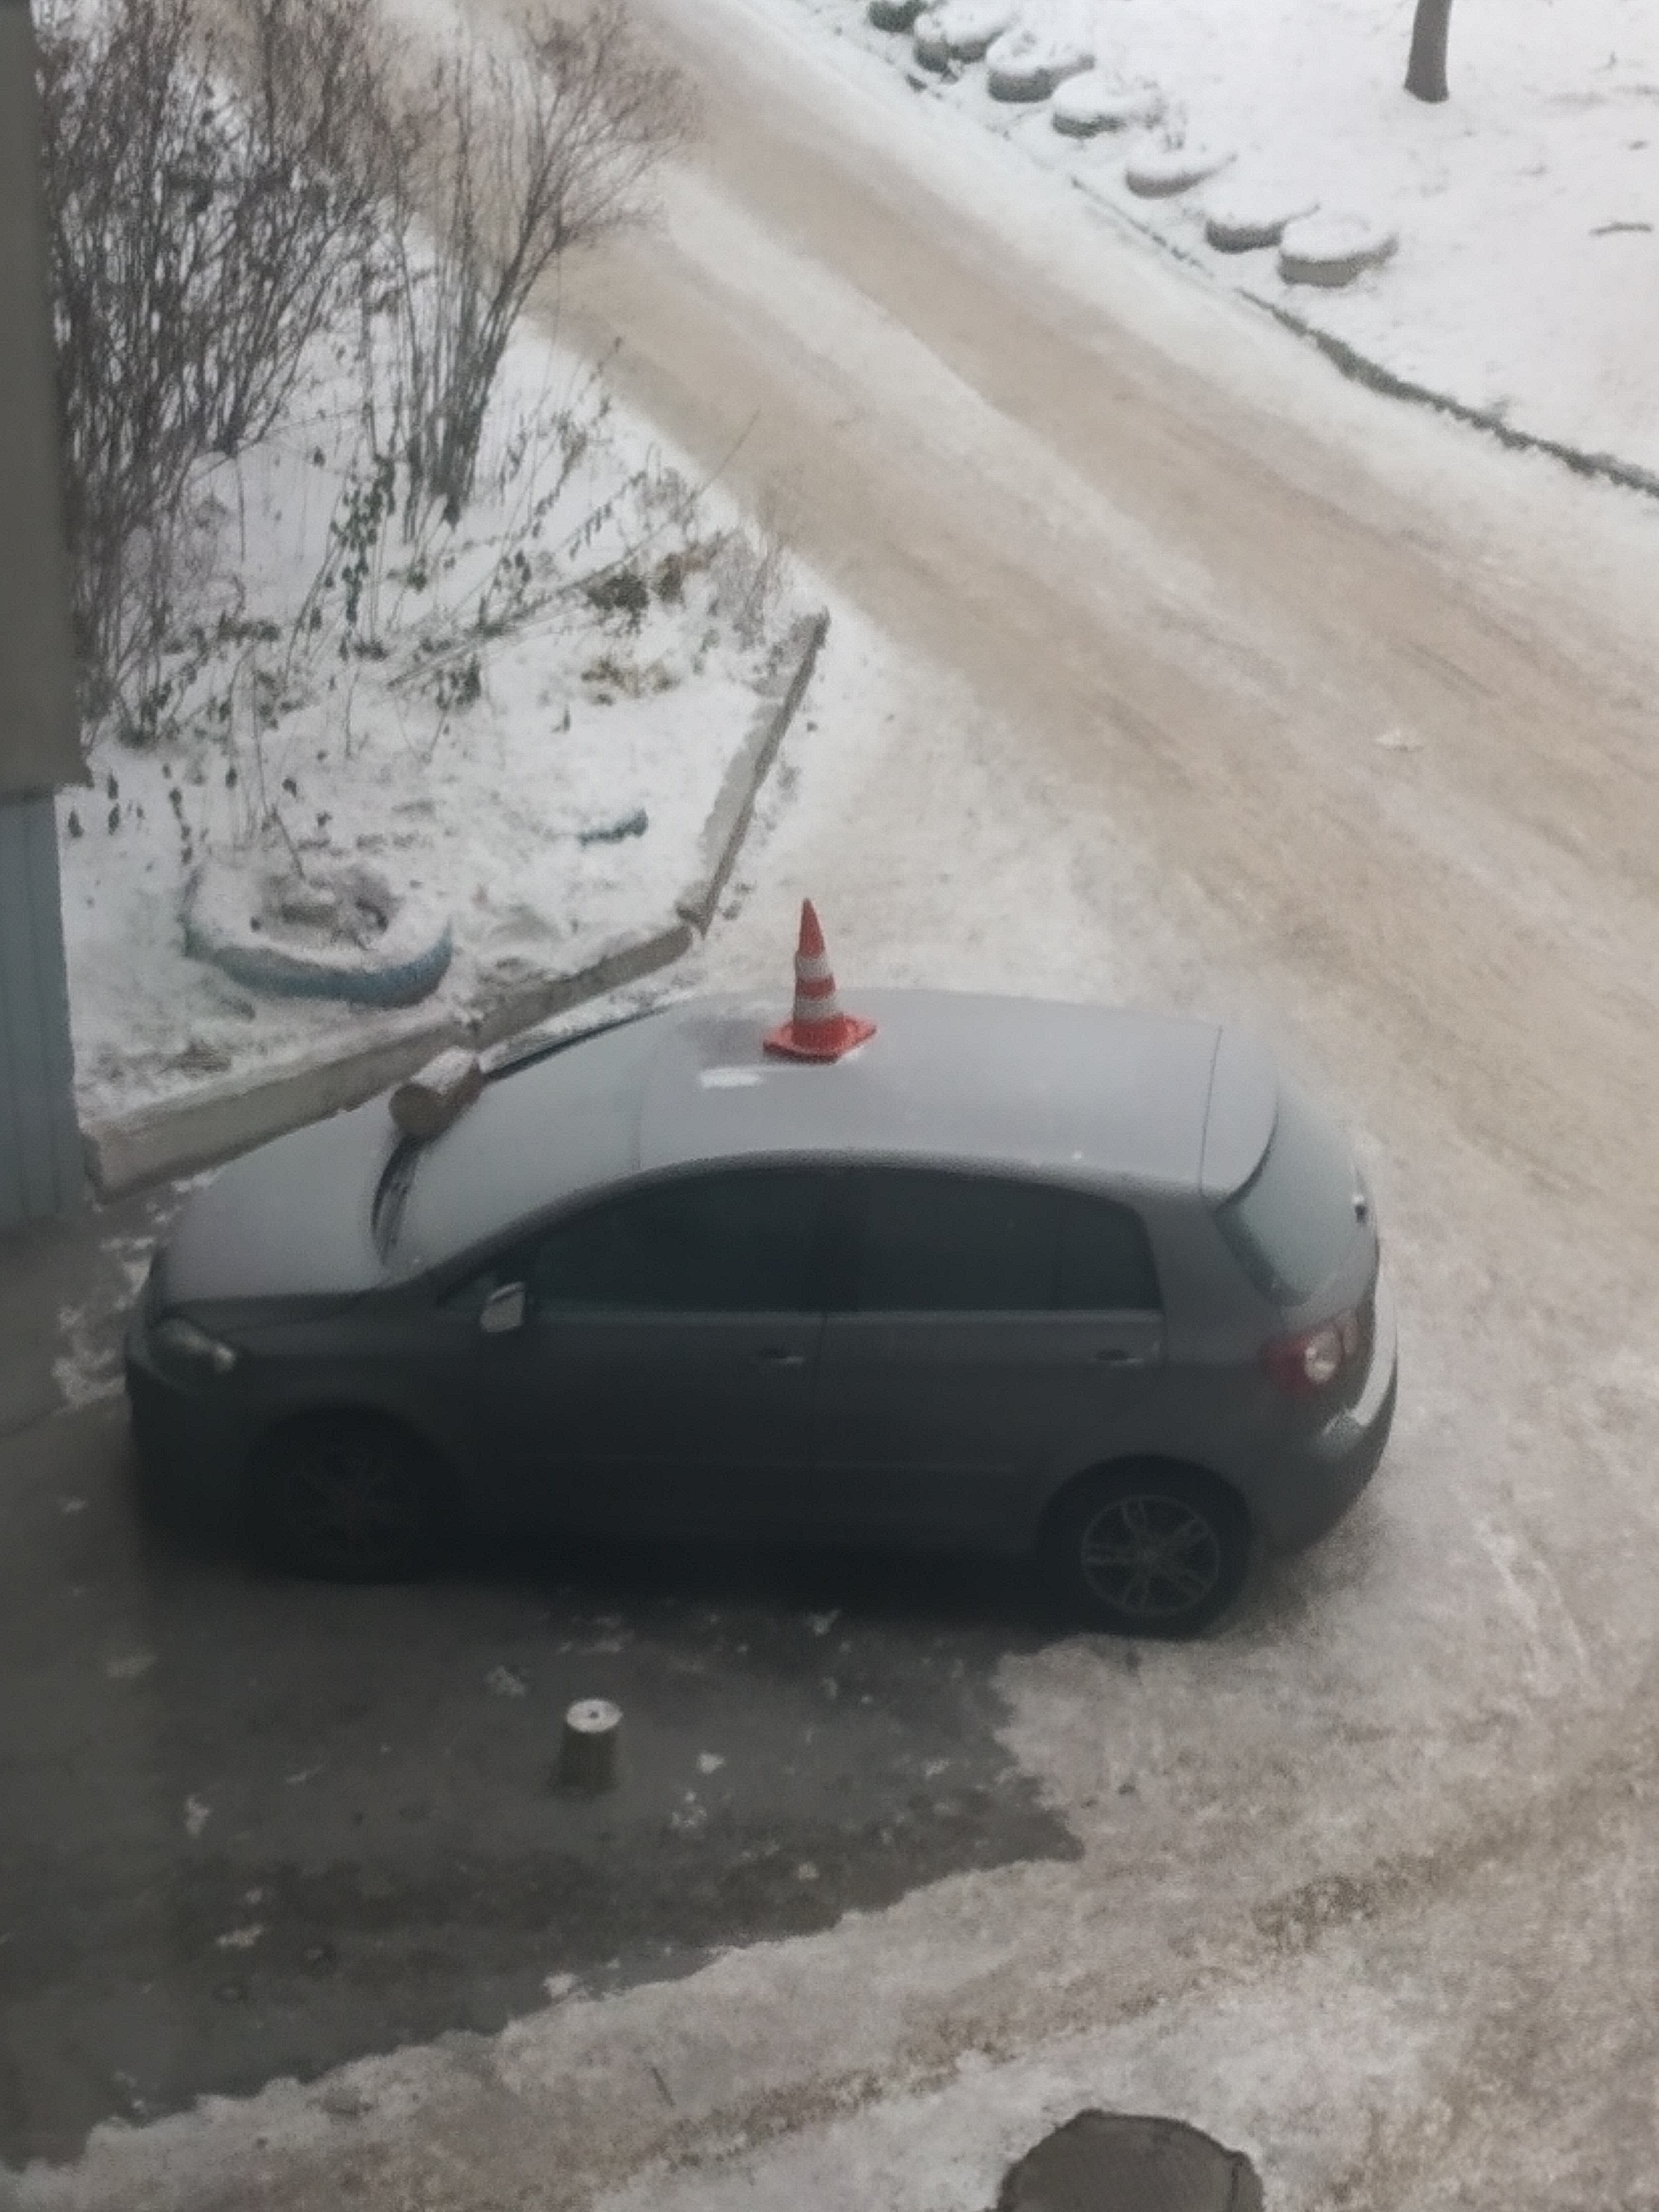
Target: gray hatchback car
(1011, 1274)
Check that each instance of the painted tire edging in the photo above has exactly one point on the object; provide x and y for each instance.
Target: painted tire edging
(407, 965)
(268, 968)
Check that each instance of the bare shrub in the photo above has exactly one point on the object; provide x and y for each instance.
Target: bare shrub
(751, 572)
(209, 193)
(322, 146)
(534, 145)
(221, 187)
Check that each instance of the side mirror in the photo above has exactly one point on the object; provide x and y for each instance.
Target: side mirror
(502, 1310)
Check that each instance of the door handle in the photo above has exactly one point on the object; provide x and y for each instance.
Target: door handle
(774, 1355)
(1117, 1355)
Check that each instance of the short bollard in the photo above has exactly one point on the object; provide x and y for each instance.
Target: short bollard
(590, 1745)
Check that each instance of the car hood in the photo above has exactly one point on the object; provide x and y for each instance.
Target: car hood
(292, 1219)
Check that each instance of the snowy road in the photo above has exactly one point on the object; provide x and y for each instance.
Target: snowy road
(1258, 694)
(1166, 667)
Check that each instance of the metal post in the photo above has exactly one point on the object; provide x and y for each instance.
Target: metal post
(41, 1170)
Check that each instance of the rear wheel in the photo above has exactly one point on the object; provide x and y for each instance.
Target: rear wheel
(349, 1498)
(1149, 1550)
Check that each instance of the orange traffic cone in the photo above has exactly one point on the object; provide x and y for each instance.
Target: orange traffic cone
(818, 1029)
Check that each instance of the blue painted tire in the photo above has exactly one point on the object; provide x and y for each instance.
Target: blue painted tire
(403, 971)
(264, 968)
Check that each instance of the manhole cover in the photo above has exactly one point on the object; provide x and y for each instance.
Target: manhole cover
(1120, 2162)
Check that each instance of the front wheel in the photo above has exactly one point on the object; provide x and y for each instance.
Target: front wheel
(348, 1498)
(1149, 1550)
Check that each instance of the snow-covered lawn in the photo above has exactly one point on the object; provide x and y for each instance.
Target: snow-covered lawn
(514, 730)
(1525, 281)
(503, 756)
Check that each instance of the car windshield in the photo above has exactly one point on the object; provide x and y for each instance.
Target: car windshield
(1292, 1223)
(398, 1177)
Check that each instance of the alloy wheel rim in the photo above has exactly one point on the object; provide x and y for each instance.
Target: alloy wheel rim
(1151, 1556)
(352, 1508)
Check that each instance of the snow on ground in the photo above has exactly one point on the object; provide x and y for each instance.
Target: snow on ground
(1526, 281)
(1526, 212)
(517, 726)
(1305, 2106)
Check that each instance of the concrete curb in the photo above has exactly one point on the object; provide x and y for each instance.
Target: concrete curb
(1360, 368)
(237, 1111)
(623, 961)
(219, 1119)
(728, 817)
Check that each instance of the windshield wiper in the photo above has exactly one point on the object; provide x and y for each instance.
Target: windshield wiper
(391, 1193)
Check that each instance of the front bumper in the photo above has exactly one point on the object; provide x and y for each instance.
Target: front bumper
(192, 1440)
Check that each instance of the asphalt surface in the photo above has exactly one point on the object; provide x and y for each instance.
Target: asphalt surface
(254, 1827)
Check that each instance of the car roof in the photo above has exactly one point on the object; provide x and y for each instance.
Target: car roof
(1098, 1095)
(1028, 1084)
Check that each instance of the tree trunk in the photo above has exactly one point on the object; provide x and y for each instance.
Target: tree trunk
(1425, 72)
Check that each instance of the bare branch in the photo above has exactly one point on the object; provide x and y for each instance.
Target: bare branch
(539, 145)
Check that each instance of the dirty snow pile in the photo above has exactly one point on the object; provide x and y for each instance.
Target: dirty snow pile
(482, 755)
(1500, 249)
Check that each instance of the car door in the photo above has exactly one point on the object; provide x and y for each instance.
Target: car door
(663, 1376)
(983, 1330)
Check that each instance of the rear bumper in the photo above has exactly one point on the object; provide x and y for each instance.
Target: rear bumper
(1309, 1492)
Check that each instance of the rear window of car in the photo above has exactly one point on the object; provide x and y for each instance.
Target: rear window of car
(1292, 1223)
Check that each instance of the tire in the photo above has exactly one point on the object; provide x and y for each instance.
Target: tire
(1149, 1549)
(347, 1497)
(367, 981)
(403, 965)
(1236, 227)
(1159, 175)
(1332, 249)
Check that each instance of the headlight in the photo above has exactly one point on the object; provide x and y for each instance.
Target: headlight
(184, 1347)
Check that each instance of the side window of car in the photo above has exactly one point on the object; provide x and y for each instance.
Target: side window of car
(931, 1242)
(732, 1243)
(1105, 1259)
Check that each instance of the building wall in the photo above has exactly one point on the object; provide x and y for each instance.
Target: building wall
(39, 732)
(39, 1143)
(39, 737)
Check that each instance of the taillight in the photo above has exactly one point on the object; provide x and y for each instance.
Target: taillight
(1313, 1358)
